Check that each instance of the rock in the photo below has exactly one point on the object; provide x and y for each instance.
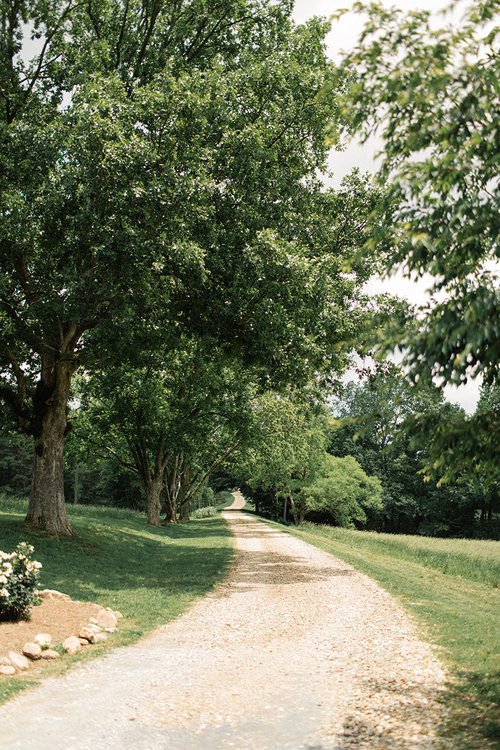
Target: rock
(32, 650)
(49, 653)
(18, 661)
(5, 661)
(106, 619)
(94, 628)
(117, 614)
(72, 644)
(83, 641)
(52, 594)
(101, 637)
(44, 640)
(110, 630)
(93, 621)
(7, 670)
(87, 633)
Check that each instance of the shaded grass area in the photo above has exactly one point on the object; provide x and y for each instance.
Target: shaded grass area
(149, 574)
(457, 613)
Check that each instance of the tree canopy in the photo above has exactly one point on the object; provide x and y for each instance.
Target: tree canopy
(430, 91)
(159, 171)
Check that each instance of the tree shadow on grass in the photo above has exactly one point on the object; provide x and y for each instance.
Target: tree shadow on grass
(106, 557)
(473, 700)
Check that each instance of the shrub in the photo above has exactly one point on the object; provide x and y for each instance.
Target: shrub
(18, 582)
(207, 512)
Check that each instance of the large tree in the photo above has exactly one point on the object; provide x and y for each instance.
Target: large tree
(430, 92)
(171, 425)
(284, 454)
(159, 163)
(342, 492)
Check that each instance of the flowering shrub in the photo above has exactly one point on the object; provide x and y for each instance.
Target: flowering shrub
(18, 582)
(208, 512)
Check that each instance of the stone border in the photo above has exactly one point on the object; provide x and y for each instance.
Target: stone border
(42, 647)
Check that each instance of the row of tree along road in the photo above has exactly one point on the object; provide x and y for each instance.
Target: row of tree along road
(173, 266)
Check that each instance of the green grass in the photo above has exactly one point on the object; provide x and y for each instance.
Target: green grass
(149, 574)
(450, 586)
(476, 560)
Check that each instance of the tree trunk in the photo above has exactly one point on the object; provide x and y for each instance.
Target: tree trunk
(302, 509)
(153, 491)
(47, 510)
(172, 487)
(293, 509)
(170, 511)
(184, 493)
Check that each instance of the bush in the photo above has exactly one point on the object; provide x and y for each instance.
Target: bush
(207, 496)
(208, 512)
(18, 582)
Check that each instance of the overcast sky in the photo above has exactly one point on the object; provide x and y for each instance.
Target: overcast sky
(343, 36)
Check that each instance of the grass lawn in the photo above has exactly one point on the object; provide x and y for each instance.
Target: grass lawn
(149, 574)
(451, 588)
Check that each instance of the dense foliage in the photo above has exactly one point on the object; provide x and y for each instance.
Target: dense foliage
(159, 172)
(288, 472)
(430, 92)
(165, 235)
(380, 422)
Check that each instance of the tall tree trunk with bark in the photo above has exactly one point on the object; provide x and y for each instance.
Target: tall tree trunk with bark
(152, 478)
(185, 495)
(153, 491)
(170, 510)
(172, 486)
(47, 509)
(293, 509)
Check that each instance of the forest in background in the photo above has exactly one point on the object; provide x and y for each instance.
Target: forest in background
(356, 462)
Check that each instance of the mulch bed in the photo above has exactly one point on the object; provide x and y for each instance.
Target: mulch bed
(59, 618)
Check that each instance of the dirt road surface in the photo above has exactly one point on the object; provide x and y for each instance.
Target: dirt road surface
(294, 650)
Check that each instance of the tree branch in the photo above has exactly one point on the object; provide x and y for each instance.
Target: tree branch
(217, 462)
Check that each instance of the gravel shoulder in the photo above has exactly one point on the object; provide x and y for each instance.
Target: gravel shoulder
(294, 650)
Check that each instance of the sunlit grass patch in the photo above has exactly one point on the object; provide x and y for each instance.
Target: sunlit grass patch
(450, 586)
(475, 559)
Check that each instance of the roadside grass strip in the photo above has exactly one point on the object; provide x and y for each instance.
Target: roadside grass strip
(152, 575)
(450, 586)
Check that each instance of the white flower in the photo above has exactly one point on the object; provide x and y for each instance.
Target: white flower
(37, 565)
(4, 593)
(3, 578)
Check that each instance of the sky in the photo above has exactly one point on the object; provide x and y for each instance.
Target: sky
(343, 36)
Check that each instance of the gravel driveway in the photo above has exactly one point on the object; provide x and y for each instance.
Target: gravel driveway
(294, 650)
